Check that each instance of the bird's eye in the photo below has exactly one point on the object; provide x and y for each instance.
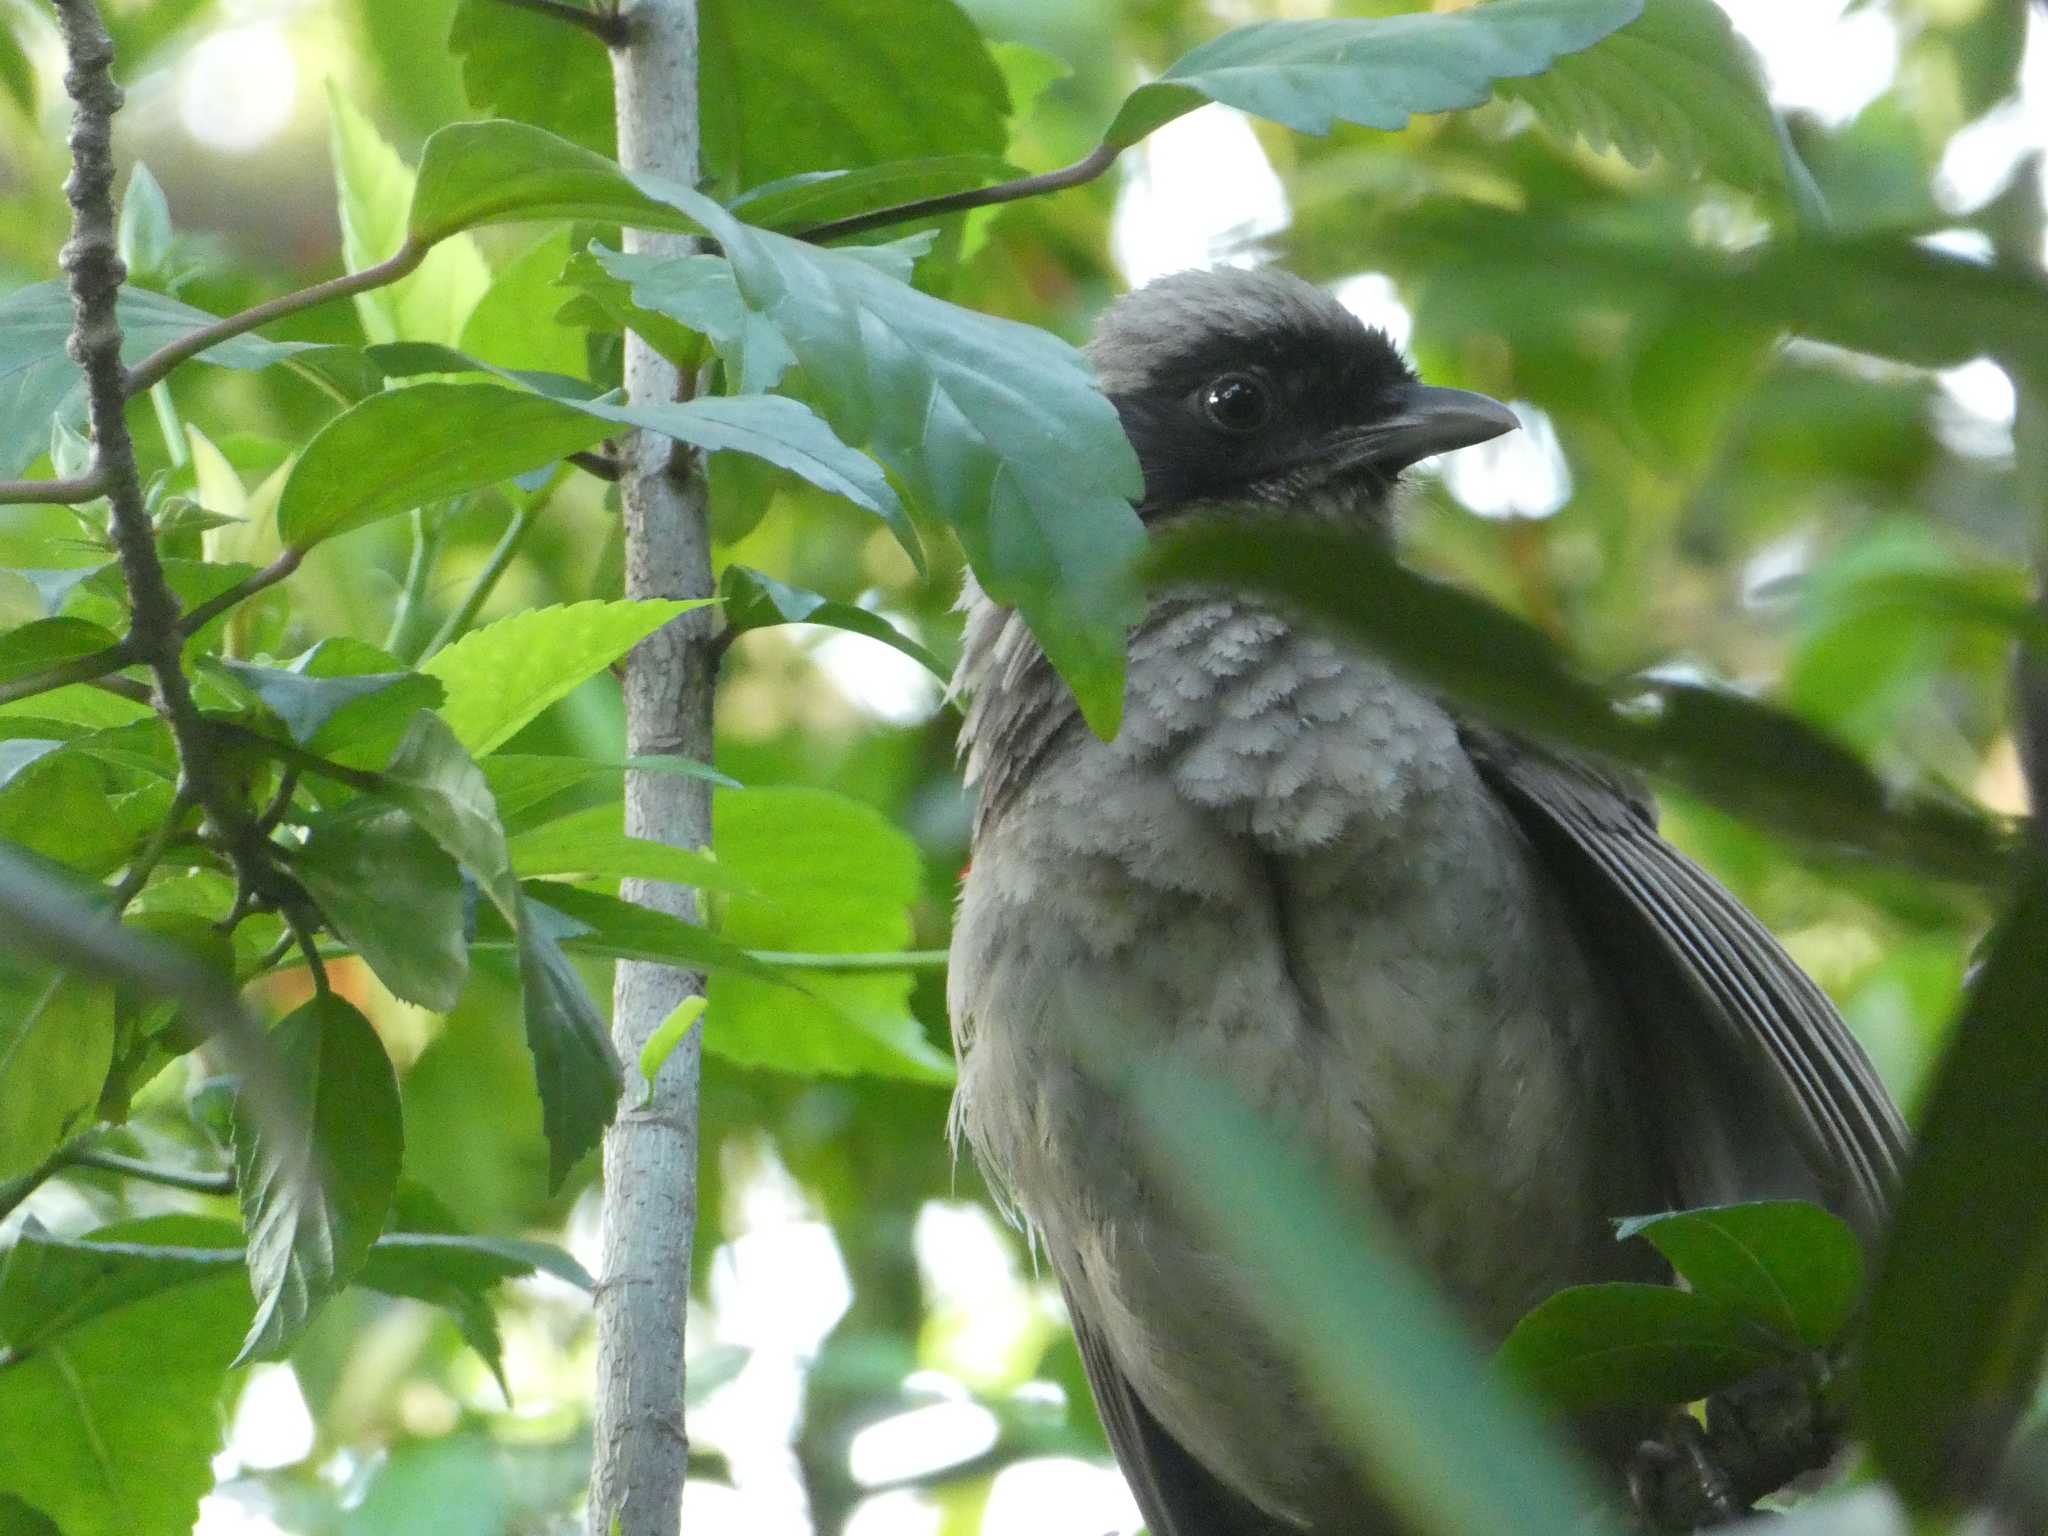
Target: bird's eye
(1237, 402)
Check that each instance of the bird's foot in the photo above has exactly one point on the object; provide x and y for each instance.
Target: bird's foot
(1759, 1435)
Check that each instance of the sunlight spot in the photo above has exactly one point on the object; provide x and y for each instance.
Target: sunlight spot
(1975, 410)
(238, 87)
(1059, 1493)
(900, 1512)
(922, 1441)
(876, 679)
(1197, 193)
(1373, 298)
(1520, 474)
(1816, 58)
(272, 1427)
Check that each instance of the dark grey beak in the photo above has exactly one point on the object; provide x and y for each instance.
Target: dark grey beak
(1428, 420)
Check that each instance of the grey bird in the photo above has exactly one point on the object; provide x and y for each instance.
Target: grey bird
(1465, 968)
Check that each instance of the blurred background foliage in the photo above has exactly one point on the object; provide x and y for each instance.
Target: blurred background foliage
(871, 1351)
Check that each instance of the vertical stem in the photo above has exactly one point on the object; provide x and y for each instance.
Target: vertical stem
(650, 1152)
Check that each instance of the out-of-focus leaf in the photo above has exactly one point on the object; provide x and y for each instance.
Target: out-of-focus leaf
(144, 230)
(39, 383)
(394, 897)
(593, 923)
(403, 448)
(1744, 756)
(835, 877)
(501, 676)
(44, 643)
(993, 426)
(306, 703)
(814, 85)
(593, 842)
(461, 1274)
(667, 1036)
(17, 74)
(315, 1193)
(510, 324)
(121, 1359)
(58, 806)
(1958, 1325)
(522, 65)
(375, 193)
(1375, 1342)
(573, 1060)
(755, 601)
(1783, 1264)
(18, 752)
(1600, 1346)
(532, 790)
(1376, 71)
(1678, 83)
(56, 1044)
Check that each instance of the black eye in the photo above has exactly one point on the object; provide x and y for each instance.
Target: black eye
(1237, 402)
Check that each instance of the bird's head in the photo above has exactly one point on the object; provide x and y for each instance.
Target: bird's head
(1257, 388)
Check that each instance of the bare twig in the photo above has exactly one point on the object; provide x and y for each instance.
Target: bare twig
(641, 1451)
(22, 493)
(296, 756)
(240, 592)
(1082, 171)
(487, 579)
(281, 801)
(601, 465)
(608, 27)
(149, 1173)
(153, 368)
(303, 933)
(79, 669)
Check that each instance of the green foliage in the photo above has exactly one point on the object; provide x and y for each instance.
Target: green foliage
(56, 1044)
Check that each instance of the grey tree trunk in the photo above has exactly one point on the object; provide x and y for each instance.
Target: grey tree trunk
(650, 1153)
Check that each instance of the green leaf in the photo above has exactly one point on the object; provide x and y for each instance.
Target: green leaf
(439, 785)
(519, 64)
(375, 192)
(473, 174)
(501, 676)
(403, 448)
(531, 789)
(314, 1194)
(1952, 1355)
(1377, 72)
(56, 1044)
(756, 601)
(58, 806)
(783, 432)
(1604, 1346)
(118, 1386)
(798, 202)
(461, 1274)
(836, 877)
(813, 85)
(1376, 1344)
(1744, 756)
(39, 383)
(593, 842)
(592, 923)
(17, 74)
(995, 427)
(1783, 1264)
(305, 704)
(667, 1036)
(394, 897)
(18, 752)
(144, 231)
(573, 1060)
(1677, 83)
(38, 646)
(508, 324)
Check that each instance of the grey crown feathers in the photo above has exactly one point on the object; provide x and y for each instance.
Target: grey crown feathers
(1464, 967)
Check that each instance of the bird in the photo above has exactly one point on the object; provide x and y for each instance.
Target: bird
(1462, 966)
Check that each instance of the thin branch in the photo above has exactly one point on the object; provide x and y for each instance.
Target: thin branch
(145, 862)
(23, 493)
(79, 669)
(149, 1173)
(153, 368)
(240, 592)
(296, 756)
(607, 27)
(419, 569)
(274, 812)
(1082, 171)
(601, 465)
(487, 579)
(885, 960)
(304, 936)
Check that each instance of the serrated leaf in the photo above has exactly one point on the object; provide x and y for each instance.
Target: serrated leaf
(1783, 1264)
(835, 877)
(118, 1390)
(755, 601)
(40, 384)
(1676, 83)
(519, 64)
(375, 191)
(314, 1193)
(501, 676)
(1376, 72)
(56, 1044)
(393, 896)
(574, 1064)
(439, 785)
(403, 448)
(1621, 1345)
(995, 427)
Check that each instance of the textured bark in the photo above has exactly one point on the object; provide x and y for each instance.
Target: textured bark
(650, 1153)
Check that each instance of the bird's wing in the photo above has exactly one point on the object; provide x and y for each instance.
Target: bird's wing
(1757, 1085)
(1176, 1493)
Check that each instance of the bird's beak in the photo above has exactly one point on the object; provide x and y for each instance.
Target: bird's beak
(1427, 420)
